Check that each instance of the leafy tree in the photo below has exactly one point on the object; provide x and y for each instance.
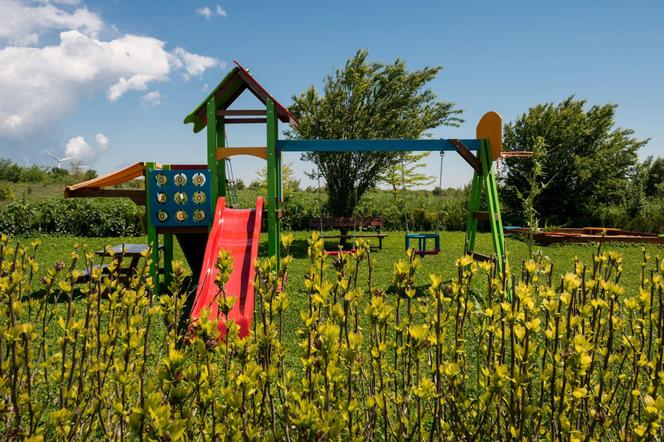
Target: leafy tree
(405, 172)
(367, 100)
(58, 172)
(239, 184)
(588, 164)
(90, 174)
(9, 171)
(33, 174)
(289, 182)
(654, 176)
(6, 193)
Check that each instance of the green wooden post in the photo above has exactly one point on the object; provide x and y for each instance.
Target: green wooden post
(168, 253)
(168, 259)
(280, 183)
(221, 164)
(215, 139)
(273, 191)
(153, 237)
(473, 207)
(212, 149)
(497, 234)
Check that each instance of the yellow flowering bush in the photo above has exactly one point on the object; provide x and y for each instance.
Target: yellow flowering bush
(528, 357)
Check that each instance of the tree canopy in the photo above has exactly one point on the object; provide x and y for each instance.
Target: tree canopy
(406, 173)
(654, 176)
(289, 183)
(367, 100)
(588, 163)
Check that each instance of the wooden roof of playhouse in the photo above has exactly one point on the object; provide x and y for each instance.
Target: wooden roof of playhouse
(231, 87)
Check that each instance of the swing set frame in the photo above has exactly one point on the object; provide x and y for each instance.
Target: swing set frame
(488, 147)
(213, 114)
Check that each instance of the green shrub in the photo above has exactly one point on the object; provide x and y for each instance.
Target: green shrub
(651, 216)
(6, 193)
(119, 217)
(9, 171)
(569, 358)
(33, 174)
(90, 174)
(425, 210)
(79, 217)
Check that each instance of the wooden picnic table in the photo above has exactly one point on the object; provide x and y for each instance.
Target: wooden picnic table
(379, 236)
(118, 252)
(351, 223)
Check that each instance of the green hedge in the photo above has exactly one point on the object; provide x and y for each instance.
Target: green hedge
(118, 217)
(648, 216)
(78, 217)
(424, 209)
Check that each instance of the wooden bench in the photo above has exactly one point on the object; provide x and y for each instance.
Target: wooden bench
(350, 223)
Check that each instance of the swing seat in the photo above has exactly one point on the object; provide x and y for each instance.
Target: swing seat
(421, 238)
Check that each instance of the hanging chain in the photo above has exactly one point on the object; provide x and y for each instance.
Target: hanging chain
(233, 197)
(403, 191)
(320, 200)
(440, 188)
(354, 212)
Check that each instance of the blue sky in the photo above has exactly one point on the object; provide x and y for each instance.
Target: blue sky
(132, 70)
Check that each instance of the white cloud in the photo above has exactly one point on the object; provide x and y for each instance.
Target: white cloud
(34, 82)
(21, 24)
(152, 98)
(62, 2)
(137, 82)
(80, 150)
(102, 141)
(193, 64)
(205, 12)
(42, 85)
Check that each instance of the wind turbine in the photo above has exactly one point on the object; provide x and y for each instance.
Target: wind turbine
(59, 160)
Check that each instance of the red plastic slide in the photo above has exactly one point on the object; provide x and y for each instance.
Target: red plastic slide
(238, 231)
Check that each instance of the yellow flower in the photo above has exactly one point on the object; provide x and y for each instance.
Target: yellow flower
(534, 324)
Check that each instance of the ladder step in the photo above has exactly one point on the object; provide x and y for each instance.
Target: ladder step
(481, 257)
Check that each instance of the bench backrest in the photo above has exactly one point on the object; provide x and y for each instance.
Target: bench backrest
(347, 222)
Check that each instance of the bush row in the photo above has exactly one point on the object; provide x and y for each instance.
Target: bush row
(425, 211)
(84, 217)
(647, 217)
(116, 217)
(576, 357)
(447, 210)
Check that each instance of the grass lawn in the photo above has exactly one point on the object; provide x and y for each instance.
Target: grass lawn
(58, 248)
(55, 248)
(471, 348)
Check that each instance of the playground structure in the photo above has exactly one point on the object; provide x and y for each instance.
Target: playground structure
(180, 200)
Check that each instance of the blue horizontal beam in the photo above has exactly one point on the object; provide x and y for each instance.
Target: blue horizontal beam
(372, 145)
